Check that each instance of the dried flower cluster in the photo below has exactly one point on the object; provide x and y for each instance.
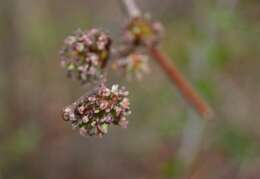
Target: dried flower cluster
(138, 32)
(94, 113)
(142, 30)
(85, 54)
(134, 65)
(84, 57)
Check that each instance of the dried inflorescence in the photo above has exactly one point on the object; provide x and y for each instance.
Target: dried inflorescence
(134, 65)
(85, 54)
(139, 32)
(94, 113)
(142, 30)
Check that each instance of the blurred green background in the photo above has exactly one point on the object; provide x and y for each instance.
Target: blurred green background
(216, 43)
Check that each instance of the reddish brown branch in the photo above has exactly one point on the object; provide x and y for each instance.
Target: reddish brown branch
(182, 84)
(171, 71)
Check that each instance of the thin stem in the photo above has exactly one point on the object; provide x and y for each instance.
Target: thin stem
(182, 84)
(131, 8)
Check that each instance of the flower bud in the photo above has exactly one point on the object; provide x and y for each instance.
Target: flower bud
(134, 65)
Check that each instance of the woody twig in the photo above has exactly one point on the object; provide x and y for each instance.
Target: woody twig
(176, 77)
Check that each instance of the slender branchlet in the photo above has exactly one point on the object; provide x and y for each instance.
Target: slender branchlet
(171, 71)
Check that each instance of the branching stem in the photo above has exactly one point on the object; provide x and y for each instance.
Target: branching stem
(171, 71)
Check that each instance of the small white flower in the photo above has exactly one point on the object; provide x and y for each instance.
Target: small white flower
(70, 40)
(93, 123)
(80, 47)
(103, 105)
(114, 88)
(67, 110)
(91, 98)
(85, 119)
(94, 59)
(81, 109)
(72, 117)
(118, 110)
(101, 45)
(125, 103)
(106, 92)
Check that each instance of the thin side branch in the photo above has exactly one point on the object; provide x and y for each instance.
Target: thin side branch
(171, 71)
(131, 8)
(182, 84)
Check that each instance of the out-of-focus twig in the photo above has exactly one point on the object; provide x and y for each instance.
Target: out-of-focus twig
(171, 71)
(130, 8)
(182, 84)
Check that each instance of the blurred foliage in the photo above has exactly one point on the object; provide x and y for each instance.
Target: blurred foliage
(237, 144)
(216, 45)
(173, 169)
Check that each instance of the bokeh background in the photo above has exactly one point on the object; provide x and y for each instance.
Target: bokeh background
(216, 43)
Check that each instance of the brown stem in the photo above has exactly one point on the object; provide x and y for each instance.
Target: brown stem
(182, 84)
(171, 71)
